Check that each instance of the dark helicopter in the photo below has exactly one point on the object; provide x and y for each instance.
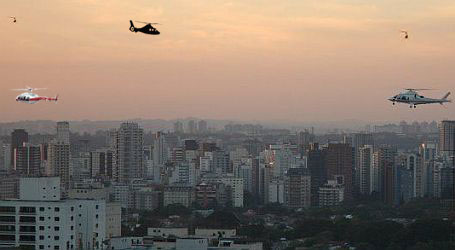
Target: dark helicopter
(147, 29)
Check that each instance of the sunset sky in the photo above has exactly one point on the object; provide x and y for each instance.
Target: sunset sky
(291, 60)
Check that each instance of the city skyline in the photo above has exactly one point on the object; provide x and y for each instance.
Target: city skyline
(287, 60)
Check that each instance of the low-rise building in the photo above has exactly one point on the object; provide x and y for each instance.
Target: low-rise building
(178, 195)
(331, 194)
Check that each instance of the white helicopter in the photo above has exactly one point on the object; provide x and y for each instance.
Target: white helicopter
(31, 98)
(413, 98)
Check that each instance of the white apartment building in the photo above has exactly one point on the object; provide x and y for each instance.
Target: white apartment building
(331, 194)
(40, 220)
(236, 185)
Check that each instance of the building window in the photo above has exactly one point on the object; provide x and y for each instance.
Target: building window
(41, 246)
(56, 247)
(41, 209)
(57, 228)
(72, 228)
(41, 228)
(56, 237)
(72, 218)
(57, 209)
(72, 209)
(41, 237)
(57, 218)
(41, 218)
(96, 207)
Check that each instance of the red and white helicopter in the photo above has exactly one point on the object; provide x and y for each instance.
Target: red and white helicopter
(31, 98)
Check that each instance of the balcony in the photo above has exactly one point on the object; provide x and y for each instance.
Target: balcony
(7, 210)
(27, 210)
(27, 220)
(7, 220)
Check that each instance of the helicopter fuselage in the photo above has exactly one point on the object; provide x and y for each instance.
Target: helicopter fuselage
(413, 98)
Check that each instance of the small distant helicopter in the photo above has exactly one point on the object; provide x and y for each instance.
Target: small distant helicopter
(31, 98)
(14, 18)
(147, 29)
(405, 33)
(413, 98)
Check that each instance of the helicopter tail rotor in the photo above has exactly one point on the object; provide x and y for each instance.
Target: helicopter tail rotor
(132, 28)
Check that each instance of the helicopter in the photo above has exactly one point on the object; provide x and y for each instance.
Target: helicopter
(31, 98)
(413, 98)
(147, 29)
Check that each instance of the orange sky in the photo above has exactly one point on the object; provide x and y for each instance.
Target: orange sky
(251, 60)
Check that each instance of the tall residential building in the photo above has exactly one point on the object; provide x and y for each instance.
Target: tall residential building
(160, 149)
(191, 129)
(316, 165)
(27, 160)
(202, 126)
(58, 163)
(128, 156)
(101, 163)
(427, 156)
(365, 168)
(447, 137)
(178, 127)
(385, 164)
(305, 138)
(358, 141)
(297, 188)
(18, 137)
(340, 166)
(5, 158)
(63, 132)
(59, 156)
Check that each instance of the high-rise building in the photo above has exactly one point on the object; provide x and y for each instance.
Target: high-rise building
(18, 137)
(128, 156)
(385, 164)
(427, 156)
(101, 163)
(340, 166)
(305, 138)
(63, 132)
(447, 137)
(160, 149)
(58, 163)
(202, 126)
(191, 129)
(365, 168)
(178, 127)
(297, 188)
(316, 165)
(358, 141)
(27, 160)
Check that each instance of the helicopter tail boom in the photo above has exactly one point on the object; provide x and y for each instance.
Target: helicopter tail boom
(446, 95)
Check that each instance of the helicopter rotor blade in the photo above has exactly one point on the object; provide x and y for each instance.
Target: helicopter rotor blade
(147, 22)
(411, 89)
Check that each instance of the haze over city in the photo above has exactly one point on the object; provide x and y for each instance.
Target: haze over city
(244, 60)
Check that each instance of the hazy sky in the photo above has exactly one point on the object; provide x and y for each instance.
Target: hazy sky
(251, 59)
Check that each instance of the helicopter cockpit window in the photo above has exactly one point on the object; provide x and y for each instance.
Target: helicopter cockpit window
(422, 96)
(403, 98)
